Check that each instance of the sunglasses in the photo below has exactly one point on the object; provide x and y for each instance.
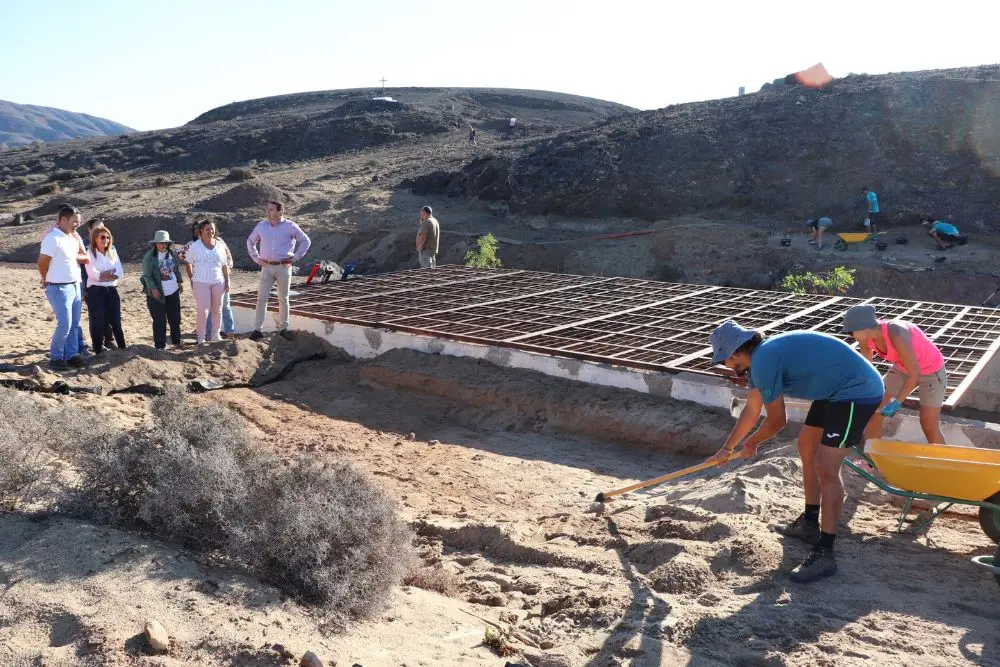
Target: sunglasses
(105, 237)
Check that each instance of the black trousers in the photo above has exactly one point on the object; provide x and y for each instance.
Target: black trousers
(109, 334)
(105, 308)
(168, 311)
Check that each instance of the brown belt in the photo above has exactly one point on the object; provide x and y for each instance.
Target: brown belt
(270, 263)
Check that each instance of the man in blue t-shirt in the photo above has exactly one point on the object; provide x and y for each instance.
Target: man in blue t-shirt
(871, 200)
(944, 233)
(845, 390)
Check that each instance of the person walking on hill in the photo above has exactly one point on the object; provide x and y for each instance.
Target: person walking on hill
(59, 263)
(209, 264)
(818, 226)
(162, 284)
(916, 362)
(871, 201)
(944, 233)
(281, 243)
(845, 390)
(104, 270)
(428, 239)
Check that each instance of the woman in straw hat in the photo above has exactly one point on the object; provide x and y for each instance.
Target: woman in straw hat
(161, 282)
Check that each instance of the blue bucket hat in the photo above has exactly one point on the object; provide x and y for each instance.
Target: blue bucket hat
(726, 339)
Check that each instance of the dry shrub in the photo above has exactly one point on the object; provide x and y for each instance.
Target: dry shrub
(32, 437)
(433, 578)
(325, 534)
(240, 174)
(48, 189)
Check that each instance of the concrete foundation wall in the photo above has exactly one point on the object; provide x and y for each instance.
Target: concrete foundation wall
(368, 343)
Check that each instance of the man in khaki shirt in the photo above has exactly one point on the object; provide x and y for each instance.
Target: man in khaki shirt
(428, 239)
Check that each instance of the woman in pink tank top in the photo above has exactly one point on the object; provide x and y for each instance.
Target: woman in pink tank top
(916, 364)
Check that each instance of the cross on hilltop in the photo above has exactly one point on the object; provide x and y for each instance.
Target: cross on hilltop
(383, 80)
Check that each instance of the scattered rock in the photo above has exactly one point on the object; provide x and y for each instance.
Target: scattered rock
(156, 636)
(310, 659)
(434, 442)
(556, 605)
(547, 660)
(412, 436)
(546, 644)
(490, 600)
(282, 651)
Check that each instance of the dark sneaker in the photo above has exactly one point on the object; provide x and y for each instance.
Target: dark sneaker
(256, 335)
(818, 564)
(58, 364)
(110, 343)
(800, 529)
(77, 362)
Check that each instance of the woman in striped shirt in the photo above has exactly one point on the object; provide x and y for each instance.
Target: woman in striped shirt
(209, 279)
(104, 270)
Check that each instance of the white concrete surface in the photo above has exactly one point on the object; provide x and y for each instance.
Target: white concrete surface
(367, 343)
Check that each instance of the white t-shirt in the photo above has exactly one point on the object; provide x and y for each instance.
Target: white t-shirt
(168, 275)
(206, 263)
(63, 249)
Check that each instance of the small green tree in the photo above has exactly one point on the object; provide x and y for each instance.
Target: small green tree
(484, 255)
(836, 281)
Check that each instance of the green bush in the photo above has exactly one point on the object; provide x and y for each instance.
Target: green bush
(484, 255)
(836, 281)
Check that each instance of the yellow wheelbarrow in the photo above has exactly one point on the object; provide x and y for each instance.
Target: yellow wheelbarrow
(845, 239)
(942, 474)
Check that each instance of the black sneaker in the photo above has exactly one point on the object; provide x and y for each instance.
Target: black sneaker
(256, 335)
(818, 564)
(800, 529)
(110, 343)
(77, 361)
(58, 365)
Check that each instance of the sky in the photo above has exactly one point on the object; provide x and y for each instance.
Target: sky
(153, 64)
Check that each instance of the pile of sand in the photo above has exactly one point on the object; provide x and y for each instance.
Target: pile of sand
(255, 193)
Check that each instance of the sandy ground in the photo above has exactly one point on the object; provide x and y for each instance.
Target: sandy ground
(688, 574)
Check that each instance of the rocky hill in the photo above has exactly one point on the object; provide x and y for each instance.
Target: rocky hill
(926, 142)
(306, 126)
(22, 124)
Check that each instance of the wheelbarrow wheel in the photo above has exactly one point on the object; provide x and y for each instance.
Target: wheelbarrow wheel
(996, 563)
(840, 245)
(989, 519)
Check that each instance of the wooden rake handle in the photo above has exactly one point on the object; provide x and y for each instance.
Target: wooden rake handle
(601, 497)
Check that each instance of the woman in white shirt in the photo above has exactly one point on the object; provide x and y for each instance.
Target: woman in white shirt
(104, 270)
(209, 278)
(228, 323)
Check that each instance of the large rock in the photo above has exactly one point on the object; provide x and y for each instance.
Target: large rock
(156, 636)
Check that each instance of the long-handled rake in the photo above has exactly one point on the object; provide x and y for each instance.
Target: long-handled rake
(608, 495)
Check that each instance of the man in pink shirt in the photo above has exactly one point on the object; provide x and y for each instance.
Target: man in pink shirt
(275, 244)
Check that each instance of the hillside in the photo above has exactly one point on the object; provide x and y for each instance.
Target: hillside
(713, 185)
(22, 124)
(926, 142)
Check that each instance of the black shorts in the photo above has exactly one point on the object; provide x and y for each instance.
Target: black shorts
(843, 422)
(948, 238)
(872, 216)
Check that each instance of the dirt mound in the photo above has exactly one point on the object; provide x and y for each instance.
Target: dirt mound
(684, 575)
(134, 232)
(255, 193)
(921, 140)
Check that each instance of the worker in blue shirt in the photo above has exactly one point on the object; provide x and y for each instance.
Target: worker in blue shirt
(944, 233)
(871, 200)
(845, 390)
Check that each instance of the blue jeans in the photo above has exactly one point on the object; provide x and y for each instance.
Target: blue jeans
(66, 302)
(228, 325)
